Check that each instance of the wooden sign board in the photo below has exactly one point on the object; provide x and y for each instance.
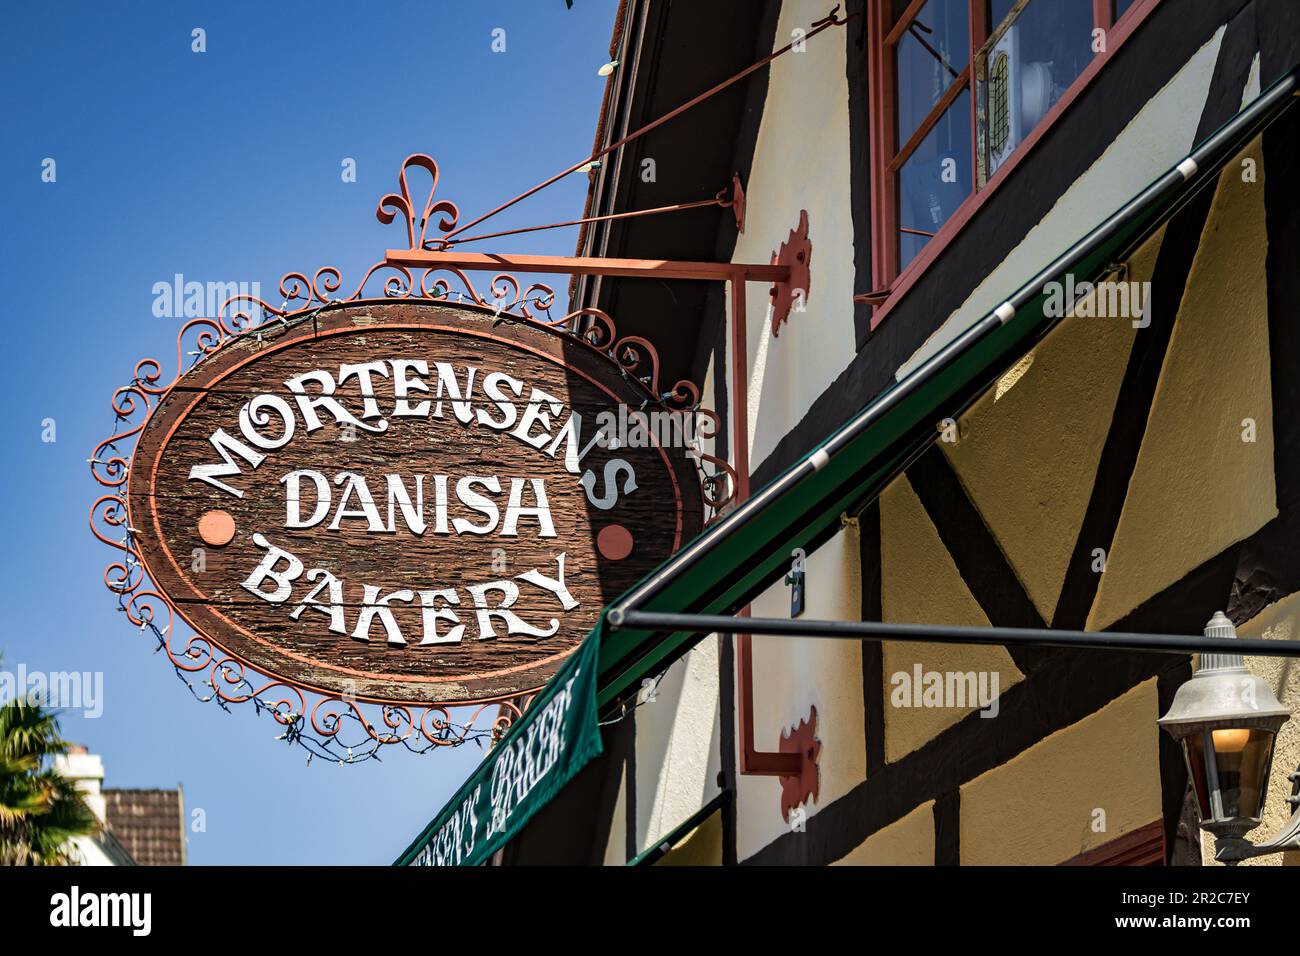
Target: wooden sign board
(403, 503)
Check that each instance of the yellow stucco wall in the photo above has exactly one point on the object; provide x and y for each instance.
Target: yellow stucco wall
(701, 847)
(1028, 450)
(1198, 486)
(906, 842)
(1040, 808)
(920, 584)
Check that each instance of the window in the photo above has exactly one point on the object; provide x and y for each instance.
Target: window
(926, 159)
(957, 86)
(1027, 64)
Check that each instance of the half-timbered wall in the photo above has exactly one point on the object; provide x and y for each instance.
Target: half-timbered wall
(1130, 477)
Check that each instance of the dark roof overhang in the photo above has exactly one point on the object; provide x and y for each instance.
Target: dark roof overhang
(694, 156)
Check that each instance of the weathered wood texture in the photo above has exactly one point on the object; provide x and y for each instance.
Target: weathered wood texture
(166, 505)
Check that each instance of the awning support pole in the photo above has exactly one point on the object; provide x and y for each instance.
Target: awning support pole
(946, 634)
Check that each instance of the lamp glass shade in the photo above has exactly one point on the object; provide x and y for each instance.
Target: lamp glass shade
(1229, 769)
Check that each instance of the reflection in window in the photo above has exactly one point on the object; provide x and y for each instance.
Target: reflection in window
(998, 11)
(931, 54)
(934, 180)
(1030, 65)
(1058, 35)
(930, 92)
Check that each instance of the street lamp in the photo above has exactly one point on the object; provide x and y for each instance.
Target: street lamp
(1227, 721)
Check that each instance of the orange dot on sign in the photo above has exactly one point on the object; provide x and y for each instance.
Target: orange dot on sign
(217, 528)
(614, 542)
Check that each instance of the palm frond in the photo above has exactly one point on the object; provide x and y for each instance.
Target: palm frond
(41, 812)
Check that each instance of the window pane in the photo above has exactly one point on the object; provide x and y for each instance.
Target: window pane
(998, 12)
(1058, 35)
(1030, 66)
(934, 48)
(935, 179)
(1242, 758)
(1194, 750)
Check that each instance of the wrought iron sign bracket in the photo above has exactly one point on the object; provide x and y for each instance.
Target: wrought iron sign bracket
(589, 265)
(801, 741)
(797, 765)
(309, 716)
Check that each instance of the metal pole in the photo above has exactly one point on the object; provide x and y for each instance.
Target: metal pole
(753, 762)
(937, 634)
(588, 265)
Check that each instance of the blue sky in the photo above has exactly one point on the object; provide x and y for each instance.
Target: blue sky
(225, 166)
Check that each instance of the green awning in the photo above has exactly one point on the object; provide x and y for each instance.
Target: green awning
(742, 555)
(542, 751)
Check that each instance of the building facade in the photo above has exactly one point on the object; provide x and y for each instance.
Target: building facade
(138, 827)
(1136, 470)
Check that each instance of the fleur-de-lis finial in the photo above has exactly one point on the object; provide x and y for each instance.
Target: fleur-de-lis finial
(395, 204)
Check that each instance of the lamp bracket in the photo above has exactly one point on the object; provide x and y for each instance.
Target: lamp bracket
(1233, 849)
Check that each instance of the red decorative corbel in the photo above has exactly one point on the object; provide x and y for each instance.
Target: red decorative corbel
(801, 740)
(738, 202)
(796, 254)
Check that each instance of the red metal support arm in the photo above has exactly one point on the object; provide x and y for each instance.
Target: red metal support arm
(832, 19)
(752, 761)
(587, 265)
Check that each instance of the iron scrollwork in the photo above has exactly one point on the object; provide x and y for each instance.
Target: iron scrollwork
(328, 726)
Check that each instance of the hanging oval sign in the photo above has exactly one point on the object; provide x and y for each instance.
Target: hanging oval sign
(405, 503)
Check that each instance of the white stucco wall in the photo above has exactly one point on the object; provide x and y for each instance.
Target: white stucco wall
(791, 676)
(678, 757)
(801, 161)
